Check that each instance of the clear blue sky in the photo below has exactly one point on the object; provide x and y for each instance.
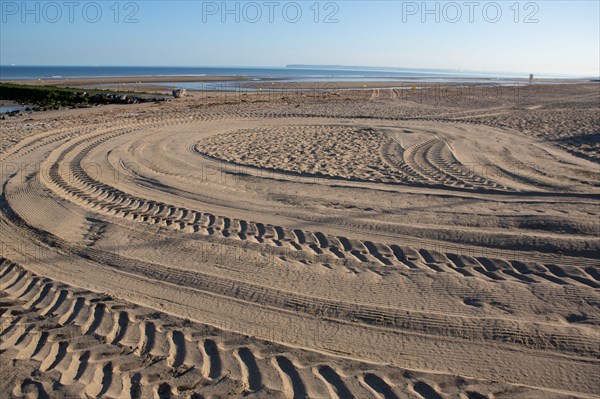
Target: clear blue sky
(565, 38)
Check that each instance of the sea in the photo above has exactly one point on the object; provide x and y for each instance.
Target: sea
(285, 74)
(254, 78)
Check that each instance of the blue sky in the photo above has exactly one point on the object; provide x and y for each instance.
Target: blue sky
(564, 40)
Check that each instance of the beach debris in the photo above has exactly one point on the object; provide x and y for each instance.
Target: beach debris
(178, 93)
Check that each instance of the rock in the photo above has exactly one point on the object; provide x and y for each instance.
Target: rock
(178, 93)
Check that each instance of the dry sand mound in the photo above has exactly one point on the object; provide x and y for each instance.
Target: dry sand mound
(426, 155)
(328, 150)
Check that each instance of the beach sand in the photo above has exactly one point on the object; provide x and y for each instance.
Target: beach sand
(328, 244)
(278, 83)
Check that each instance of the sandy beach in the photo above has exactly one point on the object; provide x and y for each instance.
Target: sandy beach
(279, 83)
(376, 243)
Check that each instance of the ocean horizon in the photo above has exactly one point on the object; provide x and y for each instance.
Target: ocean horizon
(289, 74)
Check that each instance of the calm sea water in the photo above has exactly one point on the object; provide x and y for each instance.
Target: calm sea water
(291, 74)
(6, 109)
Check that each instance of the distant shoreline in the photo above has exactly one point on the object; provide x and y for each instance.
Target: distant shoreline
(162, 83)
(127, 75)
